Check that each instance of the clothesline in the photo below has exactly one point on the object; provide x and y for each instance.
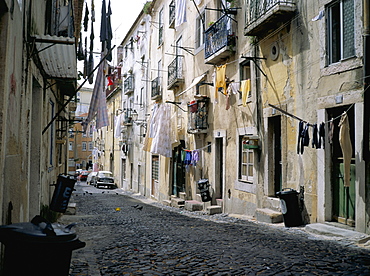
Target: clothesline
(299, 119)
(210, 144)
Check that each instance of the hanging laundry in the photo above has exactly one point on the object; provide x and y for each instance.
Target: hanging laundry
(346, 145)
(227, 102)
(161, 143)
(86, 18)
(187, 160)
(245, 87)
(147, 140)
(233, 88)
(80, 51)
(117, 127)
(220, 79)
(180, 12)
(300, 131)
(322, 135)
(305, 137)
(92, 36)
(106, 29)
(331, 131)
(92, 11)
(315, 140)
(85, 60)
(90, 68)
(195, 157)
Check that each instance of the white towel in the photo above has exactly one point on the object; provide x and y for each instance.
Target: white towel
(180, 12)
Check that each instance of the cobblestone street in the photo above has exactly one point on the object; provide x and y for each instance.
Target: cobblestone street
(123, 239)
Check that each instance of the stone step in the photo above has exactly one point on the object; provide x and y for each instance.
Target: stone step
(268, 216)
(166, 202)
(214, 209)
(219, 202)
(71, 209)
(177, 202)
(193, 205)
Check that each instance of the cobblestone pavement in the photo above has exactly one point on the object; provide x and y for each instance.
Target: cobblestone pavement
(158, 240)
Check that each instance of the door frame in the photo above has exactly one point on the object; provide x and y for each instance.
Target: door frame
(324, 168)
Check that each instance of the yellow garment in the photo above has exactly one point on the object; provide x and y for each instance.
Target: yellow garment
(220, 79)
(245, 88)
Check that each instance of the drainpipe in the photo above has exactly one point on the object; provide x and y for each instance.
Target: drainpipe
(366, 73)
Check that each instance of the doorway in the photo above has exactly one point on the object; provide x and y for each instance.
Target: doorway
(343, 198)
(275, 142)
(219, 168)
(178, 170)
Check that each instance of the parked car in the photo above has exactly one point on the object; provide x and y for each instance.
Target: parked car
(91, 177)
(104, 179)
(83, 176)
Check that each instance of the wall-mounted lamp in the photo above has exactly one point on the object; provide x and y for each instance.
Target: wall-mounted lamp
(135, 116)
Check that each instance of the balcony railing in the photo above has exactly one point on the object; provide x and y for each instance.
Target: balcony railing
(198, 116)
(128, 85)
(217, 38)
(172, 15)
(175, 72)
(265, 14)
(156, 89)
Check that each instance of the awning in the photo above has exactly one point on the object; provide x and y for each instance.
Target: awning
(57, 55)
(194, 83)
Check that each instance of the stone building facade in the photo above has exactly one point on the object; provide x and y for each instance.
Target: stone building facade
(241, 85)
(38, 77)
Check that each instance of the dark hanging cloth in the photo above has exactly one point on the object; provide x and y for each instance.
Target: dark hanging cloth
(300, 131)
(106, 34)
(322, 135)
(305, 138)
(92, 37)
(103, 24)
(315, 140)
(86, 18)
(85, 59)
(80, 51)
(90, 68)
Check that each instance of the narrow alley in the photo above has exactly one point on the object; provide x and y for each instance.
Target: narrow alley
(126, 236)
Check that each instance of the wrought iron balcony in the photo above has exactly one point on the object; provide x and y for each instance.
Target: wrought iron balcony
(175, 72)
(156, 89)
(128, 84)
(266, 15)
(219, 40)
(198, 116)
(172, 15)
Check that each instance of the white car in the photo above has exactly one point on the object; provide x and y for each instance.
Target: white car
(91, 177)
(104, 179)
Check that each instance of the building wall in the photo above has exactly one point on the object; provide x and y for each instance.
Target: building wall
(288, 70)
(30, 156)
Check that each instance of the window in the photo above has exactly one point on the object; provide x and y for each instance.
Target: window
(84, 146)
(245, 74)
(91, 146)
(246, 160)
(199, 31)
(160, 23)
(340, 30)
(70, 146)
(155, 167)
